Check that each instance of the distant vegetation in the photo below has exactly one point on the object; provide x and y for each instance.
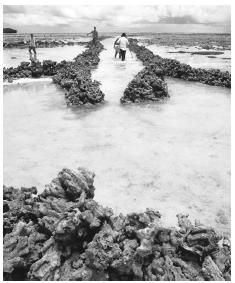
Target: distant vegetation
(9, 30)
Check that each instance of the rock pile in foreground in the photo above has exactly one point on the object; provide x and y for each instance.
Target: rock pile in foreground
(75, 78)
(175, 69)
(148, 85)
(63, 234)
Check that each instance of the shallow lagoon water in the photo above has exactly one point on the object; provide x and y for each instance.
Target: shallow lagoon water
(173, 156)
(12, 57)
(220, 61)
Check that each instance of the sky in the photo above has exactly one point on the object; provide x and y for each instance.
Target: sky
(181, 18)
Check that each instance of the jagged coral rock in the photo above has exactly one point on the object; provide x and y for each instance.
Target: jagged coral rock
(148, 85)
(75, 78)
(22, 247)
(49, 67)
(184, 223)
(76, 183)
(63, 234)
(211, 271)
(222, 258)
(48, 266)
(36, 69)
(54, 189)
(147, 240)
(18, 204)
(201, 241)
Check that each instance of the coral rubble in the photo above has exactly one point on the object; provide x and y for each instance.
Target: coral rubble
(35, 69)
(63, 234)
(75, 78)
(148, 85)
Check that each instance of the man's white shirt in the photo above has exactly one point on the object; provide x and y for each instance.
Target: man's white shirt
(123, 42)
(32, 42)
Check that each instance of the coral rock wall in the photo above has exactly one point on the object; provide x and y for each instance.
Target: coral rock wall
(148, 85)
(75, 78)
(175, 69)
(63, 234)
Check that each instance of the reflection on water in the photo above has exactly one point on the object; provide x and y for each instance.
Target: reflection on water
(33, 57)
(173, 156)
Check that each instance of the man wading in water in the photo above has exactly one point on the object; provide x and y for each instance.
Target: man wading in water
(94, 36)
(32, 44)
(123, 44)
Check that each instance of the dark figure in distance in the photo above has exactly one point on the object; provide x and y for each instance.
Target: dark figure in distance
(32, 44)
(94, 36)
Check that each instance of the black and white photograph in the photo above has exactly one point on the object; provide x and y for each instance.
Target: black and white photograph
(116, 141)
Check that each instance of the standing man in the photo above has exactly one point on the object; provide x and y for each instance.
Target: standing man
(32, 44)
(94, 36)
(123, 44)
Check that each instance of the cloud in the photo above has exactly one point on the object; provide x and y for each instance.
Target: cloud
(114, 18)
(13, 9)
(178, 20)
(169, 20)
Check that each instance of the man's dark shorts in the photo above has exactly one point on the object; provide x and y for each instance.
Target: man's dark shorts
(32, 48)
(94, 41)
(123, 54)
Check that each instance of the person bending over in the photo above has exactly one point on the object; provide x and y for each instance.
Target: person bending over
(123, 44)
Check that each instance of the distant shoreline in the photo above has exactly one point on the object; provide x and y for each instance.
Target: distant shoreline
(117, 32)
